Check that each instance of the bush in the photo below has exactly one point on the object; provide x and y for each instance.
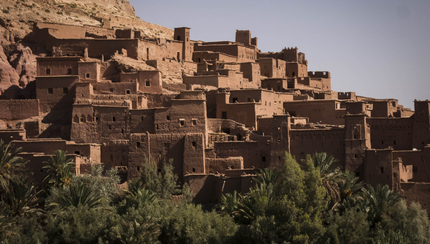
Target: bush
(47, 10)
(5, 11)
(73, 5)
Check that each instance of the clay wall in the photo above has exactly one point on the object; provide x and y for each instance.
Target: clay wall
(420, 161)
(12, 135)
(276, 55)
(205, 187)
(244, 113)
(215, 81)
(252, 152)
(200, 56)
(142, 121)
(243, 54)
(192, 95)
(149, 81)
(295, 69)
(19, 109)
(194, 154)
(421, 132)
(160, 49)
(57, 66)
(378, 167)
(120, 33)
(184, 116)
(251, 71)
(89, 71)
(321, 111)
(60, 31)
(272, 68)
(56, 89)
(220, 165)
(310, 141)
(243, 36)
(96, 47)
(279, 85)
(319, 74)
(347, 95)
(391, 132)
(115, 153)
(383, 108)
(115, 88)
(92, 152)
(290, 54)
(46, 146)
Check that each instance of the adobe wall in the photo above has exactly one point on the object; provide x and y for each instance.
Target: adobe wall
(92, 152)
(46, 146)
(205, 187)
(12, 135)
(391, 132)
(243, 54)
(251, 71)
(310, 141)
(384, 108)
(63, 31)
(194, 153)
(272, 68)
(244, 113)
(378, 167)
(200, 56)
(421, 132)
(115, 153)
(160, 49)
(55, 91)
(321, 111)
(96, 47)
(243, 36)
(295, 69)
(207, 80)
(57, 66)
(347, 96)
(89, 71)
(142, 121)
(149, 81)
(115, 88)
(220, 165)
(19, 109)
(277, 84)
(420, 160)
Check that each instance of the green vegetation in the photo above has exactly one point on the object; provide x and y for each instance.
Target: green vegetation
(73, 5)
(312, 202)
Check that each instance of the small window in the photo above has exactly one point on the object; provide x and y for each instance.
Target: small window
(138, 144)
(194, 122)
(381, 170)
(249, 99)
(148, 83)
(48, 71)
(194, 170)
(141, 118)
(110, 127)
(182, 122)
(224, 115)
(65, 90)
(69, 71)
(111, 90)
(113, 119)
(357, 174)
(414, 169)
(194, 144)
(263, 159)
(394, 142)
(235, 99)
(168, 117)
(50, 90)
(87, 75)
(78, 152)
(127, 91)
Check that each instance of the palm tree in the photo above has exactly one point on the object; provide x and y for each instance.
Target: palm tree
(377, 201)
(78, 194)
(139, 197)
(21, 198)
(8, 226)
(331, 175)
(230, 202)
(9, 163)
(350, 186)
(268, 176)
(59, 169)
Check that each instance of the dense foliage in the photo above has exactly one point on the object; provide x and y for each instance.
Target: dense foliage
(310, 202)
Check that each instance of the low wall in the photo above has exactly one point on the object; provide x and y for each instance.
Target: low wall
(19, 109)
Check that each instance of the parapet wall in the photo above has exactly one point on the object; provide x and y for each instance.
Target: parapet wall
(19, 109)
(319, 74)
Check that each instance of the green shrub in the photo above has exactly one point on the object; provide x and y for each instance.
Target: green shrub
(47, 10)
(73, 5)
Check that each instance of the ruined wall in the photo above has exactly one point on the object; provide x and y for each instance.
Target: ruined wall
(243, 54)
(115, 153)
(378, 167)
(200, 56)
(12, 135)
(420, 161)
(160, 49)
(19, 109)
(254, 154)
(220, 165)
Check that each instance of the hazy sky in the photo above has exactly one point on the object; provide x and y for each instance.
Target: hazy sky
(376, 48)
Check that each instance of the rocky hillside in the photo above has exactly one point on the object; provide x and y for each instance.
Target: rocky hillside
(17, 17)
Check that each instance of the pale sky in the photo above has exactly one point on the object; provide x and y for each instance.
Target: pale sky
(378, 49)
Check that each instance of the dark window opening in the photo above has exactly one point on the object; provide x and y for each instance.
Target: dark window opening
(87, 75)
(355, 155)
(69, 71)
(97, 118)
(249, 99)
(113, 119)
(178, 38)
(194, 122)
(50, 90)
(128, 91)
(294, 73)
(178, 56)
(279, 157)
(48, 71)
(357, 174)
(382, 142)
(159, 170)
(138, 144)
(394, 142)
(263, 159)
(224, 115)
(138, 168)
(148, 83)
(194, 170)
(194, 143)
(381, 170)
(78, 152)
(182, 122)
(235, 99)
(82, 119)
(141, 118)
(111, 90)
(168, 117)
(65, 90)
(414, 169)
